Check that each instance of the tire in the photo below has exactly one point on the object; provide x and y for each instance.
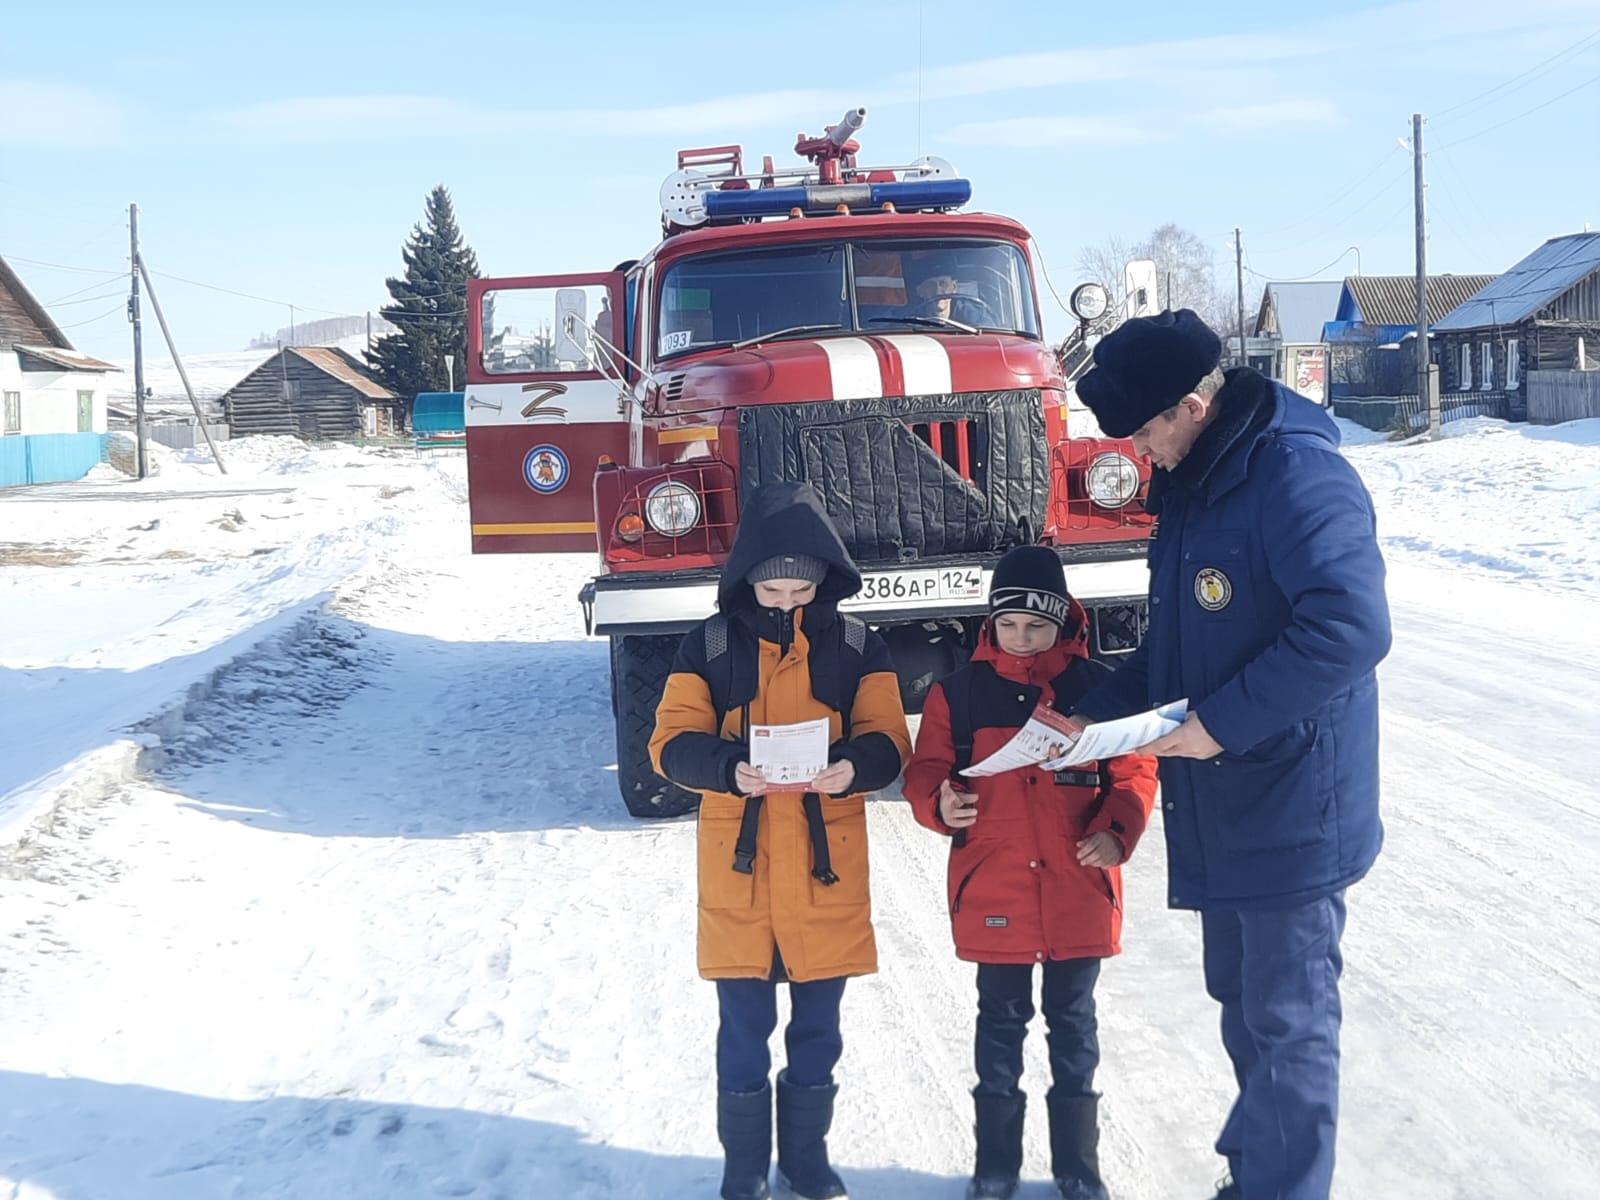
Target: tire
(639, 669)
(923, 653)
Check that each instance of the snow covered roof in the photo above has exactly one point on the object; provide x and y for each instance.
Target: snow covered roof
(1536, 281)
(70, 360)
(1296, 311)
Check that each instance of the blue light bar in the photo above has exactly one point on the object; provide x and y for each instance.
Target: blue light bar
(820, 198)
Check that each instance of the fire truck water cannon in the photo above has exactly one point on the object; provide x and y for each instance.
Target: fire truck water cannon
(694, 196)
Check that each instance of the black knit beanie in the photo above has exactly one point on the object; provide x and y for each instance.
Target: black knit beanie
(1029, 579)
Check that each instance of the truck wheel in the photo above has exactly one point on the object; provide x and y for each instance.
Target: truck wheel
(923, 654)
(639, 669)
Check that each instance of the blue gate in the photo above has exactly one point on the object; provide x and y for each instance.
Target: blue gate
(49, 457)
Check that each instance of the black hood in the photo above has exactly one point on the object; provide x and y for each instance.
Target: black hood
(785, 518)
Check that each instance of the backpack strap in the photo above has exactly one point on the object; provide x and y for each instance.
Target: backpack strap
(851, 646)
(958, 696)
(958, 690)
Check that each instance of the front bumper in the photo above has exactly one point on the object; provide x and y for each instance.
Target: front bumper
(664, 603)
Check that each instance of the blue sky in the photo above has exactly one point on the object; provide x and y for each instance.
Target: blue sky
(285, 150)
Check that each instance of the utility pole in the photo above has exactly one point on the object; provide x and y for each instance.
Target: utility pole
(172, 349)
(1427, 376)
(1238, 266)
(138, 336)
(291, 325)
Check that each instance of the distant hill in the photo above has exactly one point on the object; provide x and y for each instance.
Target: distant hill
(326, 332)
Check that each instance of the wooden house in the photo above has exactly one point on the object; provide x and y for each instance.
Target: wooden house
(313, 392)
(46, 387)
(1542, 315)
(1371, 339)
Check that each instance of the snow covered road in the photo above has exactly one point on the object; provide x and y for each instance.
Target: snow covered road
(372, 922)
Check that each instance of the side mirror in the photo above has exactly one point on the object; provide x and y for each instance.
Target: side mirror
(571, 339)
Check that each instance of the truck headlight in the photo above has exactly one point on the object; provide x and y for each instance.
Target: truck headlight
(672, 508)
(1112, 480)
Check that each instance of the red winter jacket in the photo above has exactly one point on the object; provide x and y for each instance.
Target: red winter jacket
(1016, 890)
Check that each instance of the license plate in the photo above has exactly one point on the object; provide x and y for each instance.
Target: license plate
(929, 586)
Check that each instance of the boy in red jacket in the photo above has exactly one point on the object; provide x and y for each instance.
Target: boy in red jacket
(1034, 866)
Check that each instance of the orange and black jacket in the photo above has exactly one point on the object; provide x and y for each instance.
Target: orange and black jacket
(798, 879)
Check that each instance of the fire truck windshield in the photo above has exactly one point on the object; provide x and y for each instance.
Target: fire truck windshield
(859, 285)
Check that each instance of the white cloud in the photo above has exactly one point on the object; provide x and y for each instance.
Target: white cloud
(50, 115)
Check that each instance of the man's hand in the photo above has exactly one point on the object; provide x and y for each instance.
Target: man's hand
(1100, 850)
(956, 809)
(748, 780)
(1189, 740)
(835, 779)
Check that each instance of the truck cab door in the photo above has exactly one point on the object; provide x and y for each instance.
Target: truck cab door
(544, 403)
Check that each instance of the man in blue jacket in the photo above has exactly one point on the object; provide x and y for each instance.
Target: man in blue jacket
(1268, 614)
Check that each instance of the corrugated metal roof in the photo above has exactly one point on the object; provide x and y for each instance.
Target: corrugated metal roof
(1392, 299)
(1536, 281)
(69, 359)
(1299, 309)
(344, 368)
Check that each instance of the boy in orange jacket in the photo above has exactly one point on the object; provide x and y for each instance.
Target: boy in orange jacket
(1034, 866)
(783, 872)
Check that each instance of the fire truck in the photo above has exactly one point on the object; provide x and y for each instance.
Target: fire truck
(840, 324)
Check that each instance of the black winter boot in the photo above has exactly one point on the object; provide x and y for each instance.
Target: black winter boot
(998, 1130)
(805, 1115)
(1075, 1146)
(744, 1126)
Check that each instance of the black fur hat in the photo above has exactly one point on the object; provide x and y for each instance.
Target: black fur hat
(1145, 366)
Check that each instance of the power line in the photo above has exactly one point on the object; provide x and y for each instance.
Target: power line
(250, 296)
(92, 320)
(1527, 113)
(1298, 278)
(83, 300)
(1358, 209)
(35, 262)
(1316, 212)
(1576, 48)
(88, 287)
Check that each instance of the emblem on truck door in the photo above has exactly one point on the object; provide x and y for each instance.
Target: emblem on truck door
(546, 469)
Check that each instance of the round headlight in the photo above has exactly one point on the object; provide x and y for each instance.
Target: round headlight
(672, 508)
(1089, 301)
(1113, 480)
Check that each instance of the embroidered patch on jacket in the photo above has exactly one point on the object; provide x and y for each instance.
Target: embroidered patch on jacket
(1212, 589)
(997, 922)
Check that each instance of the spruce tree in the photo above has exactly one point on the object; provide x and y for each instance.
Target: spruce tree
(430, 305)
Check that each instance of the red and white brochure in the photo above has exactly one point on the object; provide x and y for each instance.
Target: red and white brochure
(1048, 740)
(790, 756)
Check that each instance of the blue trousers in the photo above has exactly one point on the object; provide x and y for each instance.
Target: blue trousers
(1005, 1006)
(1276, 974)
(749, 1014)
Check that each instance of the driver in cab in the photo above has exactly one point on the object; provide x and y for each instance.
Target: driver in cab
(939, 297)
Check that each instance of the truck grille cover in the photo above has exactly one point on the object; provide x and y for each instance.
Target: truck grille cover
(910, 477)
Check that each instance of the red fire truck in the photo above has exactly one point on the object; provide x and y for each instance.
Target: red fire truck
(834, 323)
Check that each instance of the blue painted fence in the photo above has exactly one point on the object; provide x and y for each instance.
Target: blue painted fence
(49, 457)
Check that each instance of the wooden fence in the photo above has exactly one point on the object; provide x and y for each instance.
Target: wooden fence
(1556, 396)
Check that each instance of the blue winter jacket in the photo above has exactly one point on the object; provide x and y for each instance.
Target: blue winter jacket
(1268, 613)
